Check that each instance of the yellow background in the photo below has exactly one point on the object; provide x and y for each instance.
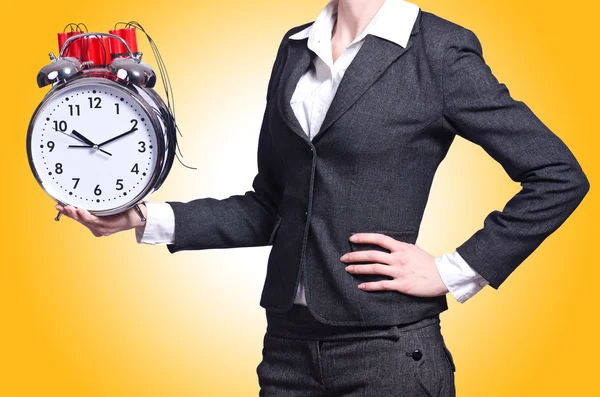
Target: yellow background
(82, 316)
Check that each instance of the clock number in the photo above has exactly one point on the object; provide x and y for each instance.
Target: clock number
(95, 102)
(50, 145)
(119, 184)
(143, 148)
(97, 190)
(135, 169)
(74, 108)
(76, 182)
(58, 168)
(117, 106)
(60, 126)
(135, 123)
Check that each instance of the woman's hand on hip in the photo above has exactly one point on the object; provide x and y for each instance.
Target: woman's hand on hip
(413, 270)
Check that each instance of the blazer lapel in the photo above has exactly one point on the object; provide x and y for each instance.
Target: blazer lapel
(299, 58)
(373, 58)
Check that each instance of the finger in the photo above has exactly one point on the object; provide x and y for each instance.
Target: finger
(85, 216)
(59, 207)
(378, 238)
(65, 211)
(383, 285)
(97, 226)
(367, 256)
(70, 211)
(371, 268)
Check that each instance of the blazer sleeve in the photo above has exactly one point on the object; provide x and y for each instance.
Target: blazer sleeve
(481, 110)
(243, 220)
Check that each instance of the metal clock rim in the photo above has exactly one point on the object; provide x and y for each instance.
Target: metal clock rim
(161, 158)
(170, 135)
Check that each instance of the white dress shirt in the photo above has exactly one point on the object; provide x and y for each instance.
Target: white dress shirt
(311, 100)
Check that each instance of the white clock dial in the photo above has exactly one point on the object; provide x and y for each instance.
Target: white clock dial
(93, 146)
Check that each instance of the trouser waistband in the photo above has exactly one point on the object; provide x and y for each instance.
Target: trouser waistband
(299, 323)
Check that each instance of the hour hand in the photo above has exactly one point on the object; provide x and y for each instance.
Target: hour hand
(84, 139)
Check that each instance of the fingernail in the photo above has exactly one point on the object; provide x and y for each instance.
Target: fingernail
(353, 237)
(348, 268)
(361, 286)
(343, 257)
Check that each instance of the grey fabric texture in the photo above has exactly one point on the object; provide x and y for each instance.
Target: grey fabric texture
(411, 360)
(370, 168)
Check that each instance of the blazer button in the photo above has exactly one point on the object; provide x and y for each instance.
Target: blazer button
(416, 355)
(304, 215)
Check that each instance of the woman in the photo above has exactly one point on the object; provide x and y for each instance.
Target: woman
(362, 106)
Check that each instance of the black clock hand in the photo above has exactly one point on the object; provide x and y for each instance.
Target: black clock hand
(71, 136)
(78, 135)
(89, 147)
(85, 140)
(117, 137)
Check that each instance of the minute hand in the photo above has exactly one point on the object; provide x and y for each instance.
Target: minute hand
(117, 137)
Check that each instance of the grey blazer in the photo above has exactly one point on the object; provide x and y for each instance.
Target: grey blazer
(370, 168)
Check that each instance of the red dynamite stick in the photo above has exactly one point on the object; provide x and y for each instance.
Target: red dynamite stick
(62, 37)
(117, 49)
(74, 47)
(94, 51)
(128, 34)
(106, 57)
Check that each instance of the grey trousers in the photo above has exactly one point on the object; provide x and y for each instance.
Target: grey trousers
(302, 357)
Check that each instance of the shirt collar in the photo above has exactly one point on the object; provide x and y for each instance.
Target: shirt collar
(393, 21)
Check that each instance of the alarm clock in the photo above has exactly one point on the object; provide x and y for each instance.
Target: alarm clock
(101, 138)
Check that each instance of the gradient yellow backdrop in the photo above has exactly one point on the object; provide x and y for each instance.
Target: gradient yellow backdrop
(82, 316)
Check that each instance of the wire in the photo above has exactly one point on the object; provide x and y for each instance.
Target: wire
(75, 27)
(70, 25)
(166, 82)
(79, 25)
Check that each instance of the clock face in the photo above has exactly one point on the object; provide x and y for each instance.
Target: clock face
(93, 146)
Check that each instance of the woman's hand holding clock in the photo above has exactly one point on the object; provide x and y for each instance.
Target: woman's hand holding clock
(413, 270)
(105, 225)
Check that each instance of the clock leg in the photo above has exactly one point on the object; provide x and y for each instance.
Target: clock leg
(139, 212)
(57, 218)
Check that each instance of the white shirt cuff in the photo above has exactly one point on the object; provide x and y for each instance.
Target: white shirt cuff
(460, 278)
(160, 225)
